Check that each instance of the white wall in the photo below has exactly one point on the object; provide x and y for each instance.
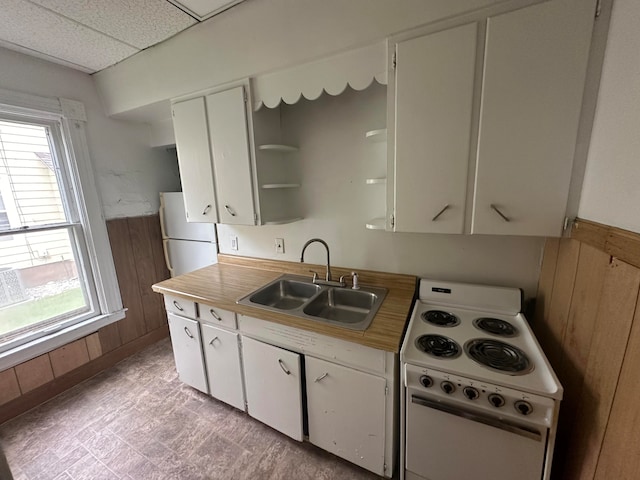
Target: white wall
(611, 189)
(129, 174)
(260, 36)
(335, 159)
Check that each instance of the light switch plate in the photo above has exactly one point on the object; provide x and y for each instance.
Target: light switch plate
(234, 242)
(279, 245)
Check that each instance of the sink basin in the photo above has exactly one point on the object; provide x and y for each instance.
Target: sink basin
(300, 297)
(341, 305)
(285, 294)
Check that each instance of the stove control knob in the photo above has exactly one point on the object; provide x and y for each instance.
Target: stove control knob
(448, 387)
(471, 393)
(523, 407)
(426, 381)
(496, 400)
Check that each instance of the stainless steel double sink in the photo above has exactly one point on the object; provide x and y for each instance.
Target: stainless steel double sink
(300, 297)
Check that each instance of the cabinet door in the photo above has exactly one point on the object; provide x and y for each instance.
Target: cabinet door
(194, 160)
(273, 385)
(222, 358)
(231, 156)
(346, 410)
(187, 351)
(433, 109)
(534, 73)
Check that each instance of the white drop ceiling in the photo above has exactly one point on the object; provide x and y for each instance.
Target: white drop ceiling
(90, 35)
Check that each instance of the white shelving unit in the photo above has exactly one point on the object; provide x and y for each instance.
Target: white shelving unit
(376, 224)
(374, 137)
(278, 148)
(269, 186)
(277, 169)
(379, 135)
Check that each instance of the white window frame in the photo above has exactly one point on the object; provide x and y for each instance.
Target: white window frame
(70, 115)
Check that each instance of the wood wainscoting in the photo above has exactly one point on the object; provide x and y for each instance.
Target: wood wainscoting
(136, 243)
(588, 322)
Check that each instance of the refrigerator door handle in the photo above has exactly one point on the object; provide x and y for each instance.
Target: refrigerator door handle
(163, 228)
(165, 244)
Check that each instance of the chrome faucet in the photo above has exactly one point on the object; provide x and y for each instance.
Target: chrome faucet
(327, 277)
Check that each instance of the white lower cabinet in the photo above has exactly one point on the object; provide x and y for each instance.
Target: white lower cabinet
(273, 386)
(187, 351)
(346, 411)
(224, 370)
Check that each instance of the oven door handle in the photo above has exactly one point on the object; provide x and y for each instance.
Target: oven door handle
(486, 420)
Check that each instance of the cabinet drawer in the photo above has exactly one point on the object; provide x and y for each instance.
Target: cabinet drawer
(180, 306)
(216, 316)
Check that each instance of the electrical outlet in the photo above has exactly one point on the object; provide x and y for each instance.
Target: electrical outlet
(234, 242)
(279, 245)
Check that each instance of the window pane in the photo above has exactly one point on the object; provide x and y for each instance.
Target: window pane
(29, 184)
(40, 282)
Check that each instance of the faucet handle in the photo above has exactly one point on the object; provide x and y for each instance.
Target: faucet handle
(354, 281)
(315, 276)
(342, 282)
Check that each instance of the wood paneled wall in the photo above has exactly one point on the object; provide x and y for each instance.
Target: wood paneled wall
(588, 322)
(136, 243)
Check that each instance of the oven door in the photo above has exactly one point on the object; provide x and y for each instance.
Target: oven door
(448, 442)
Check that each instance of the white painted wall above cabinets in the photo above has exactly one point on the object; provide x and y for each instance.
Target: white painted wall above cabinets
(263, 36)
(129, 174)
(335, 159)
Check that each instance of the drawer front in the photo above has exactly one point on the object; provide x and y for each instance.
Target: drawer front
(180, 306)
(216, 316)
(303, 341)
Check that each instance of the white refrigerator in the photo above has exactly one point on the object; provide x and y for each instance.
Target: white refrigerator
(188, 246)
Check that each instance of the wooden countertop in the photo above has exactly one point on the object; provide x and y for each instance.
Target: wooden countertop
(221, 285)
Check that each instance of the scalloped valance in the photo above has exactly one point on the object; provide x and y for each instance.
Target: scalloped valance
(356, 68)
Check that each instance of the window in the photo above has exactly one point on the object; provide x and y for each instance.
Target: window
(57, 280)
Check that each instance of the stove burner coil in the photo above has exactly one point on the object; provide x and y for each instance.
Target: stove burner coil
(440, 318)
(498, 356)
(438, 346)
(495, 326)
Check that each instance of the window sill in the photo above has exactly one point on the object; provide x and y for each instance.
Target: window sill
(43, 345)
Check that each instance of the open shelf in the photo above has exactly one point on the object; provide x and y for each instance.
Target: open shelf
(376, 135)
(282, 221)
(278, 148)
(268, 186)
(376, 181)
(376, 224)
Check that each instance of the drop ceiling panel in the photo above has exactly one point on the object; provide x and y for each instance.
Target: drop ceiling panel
(32, 27)
(205, 8)
(139, 23)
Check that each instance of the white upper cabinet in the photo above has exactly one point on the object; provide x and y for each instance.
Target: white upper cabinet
(489, 151)
(194, 159)
(534, 74)
(433, 106)
(228, 128)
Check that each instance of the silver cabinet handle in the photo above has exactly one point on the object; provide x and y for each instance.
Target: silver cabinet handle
(206, 209)
(444, 209)
(213, 340)
(324, 375)
(189, 334)
(214, 314)
(497, 210)
(177, 305)
(284, 367)
(230, 210)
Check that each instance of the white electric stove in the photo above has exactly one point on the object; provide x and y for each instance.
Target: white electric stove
(479, 398)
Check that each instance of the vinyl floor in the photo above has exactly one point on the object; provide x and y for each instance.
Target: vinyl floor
(137, 421)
